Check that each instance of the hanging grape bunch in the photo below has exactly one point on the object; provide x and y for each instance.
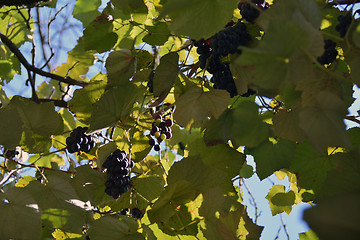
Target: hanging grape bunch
(79, 141)
(220, 45)
(161, 130)
(330, 52)
(344, 24)
(250, 13)
(117, 167)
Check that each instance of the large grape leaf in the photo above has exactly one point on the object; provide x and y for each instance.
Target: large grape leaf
(166, 74)
(199, 106)
(150, 187)
(198, 18)
(120, 66)
(311, 167)
(19, 217)
(39, 118)
(158, 34)
(32, 142)
(344, 178)
(89, 184)
(286, 125)
(335, 218)
(271, 157)
(115, 105)
(242, 125)
(83, 99)
(271, 57)
(86, 11)
(10, 127)
(109, 228)
(324, 124)
(54, 200)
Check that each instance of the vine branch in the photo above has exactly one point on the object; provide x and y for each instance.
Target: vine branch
(34, 69)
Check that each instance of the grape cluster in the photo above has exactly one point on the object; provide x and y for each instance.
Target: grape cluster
(250, 13)
(220, 45)
(118, 167)
(135, 213)
(79, 141)
(344, 24)
(329, 54)
(161, 130)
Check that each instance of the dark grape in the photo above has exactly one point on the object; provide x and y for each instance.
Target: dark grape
(168, 122)
(10, 153)
(344, 24)
(79, 141)
(330, 52)
(136, 213)
(151, 142)
(157, 147)
(118, 167)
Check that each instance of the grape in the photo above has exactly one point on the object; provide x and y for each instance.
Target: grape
(220, 45)
(118, 167)
(344, 24)
(157, 134)
(10, 153)
(79, 140)
(168, 135)
(151, 142)
(330, 53)
(136, 213)
(168, 122)
(157, 147)
(163, 136)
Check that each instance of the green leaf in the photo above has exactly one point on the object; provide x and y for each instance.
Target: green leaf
(77, 64)
(246, 171)
(83, 99)
(311, 167)
(324, 124)
(35, 143)
(115, 105)
(309, 235)
(45, 161)
(335, 218)
(149, 187)
(158, 34)
(271, 157)
(193, 169)
(223, 157)
(18, 215)
(98, 36)
(109, 228)
(344, 177)
(175, 194)
(10, 127)
(86, 11)
(166, 74)
(271, 57)
(89, 184)
(200, 106)
(120, 66)
(280, 201)
(242, 125)
(54, 199)
(33, 116)
(104, 151)
(286, 125)
(200, 18)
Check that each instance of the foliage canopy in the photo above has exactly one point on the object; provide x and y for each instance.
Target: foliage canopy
(148, 66)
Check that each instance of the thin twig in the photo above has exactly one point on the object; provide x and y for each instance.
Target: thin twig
(253, 201)
(32, 68)
(339, 2)
(352, 118)
(284, 226)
